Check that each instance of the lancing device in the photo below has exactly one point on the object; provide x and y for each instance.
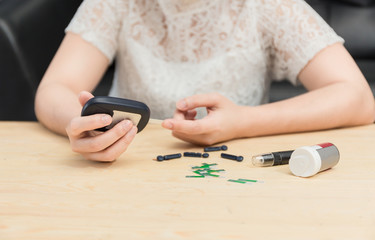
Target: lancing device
(272, 159)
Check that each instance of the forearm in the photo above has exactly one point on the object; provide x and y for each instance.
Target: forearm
(77, 66)
(336, 105)
(55, 106)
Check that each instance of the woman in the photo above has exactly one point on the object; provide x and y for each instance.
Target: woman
(179, 56)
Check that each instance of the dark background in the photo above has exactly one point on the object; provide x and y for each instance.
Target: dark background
(31, 31)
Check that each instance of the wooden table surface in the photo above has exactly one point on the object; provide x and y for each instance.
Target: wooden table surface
(49, 192)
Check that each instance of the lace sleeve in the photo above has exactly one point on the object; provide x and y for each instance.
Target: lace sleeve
(293, 34)
(98, 22)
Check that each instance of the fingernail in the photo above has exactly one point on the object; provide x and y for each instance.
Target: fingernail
(125, 124)
(182, 104)
(168, 125)
(134, 130)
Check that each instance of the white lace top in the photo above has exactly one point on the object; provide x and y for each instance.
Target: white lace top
(166, 50)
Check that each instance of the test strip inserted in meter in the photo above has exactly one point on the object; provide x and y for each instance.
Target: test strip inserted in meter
(119, 109)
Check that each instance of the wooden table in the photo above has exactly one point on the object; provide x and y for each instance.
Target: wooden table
(49, 192)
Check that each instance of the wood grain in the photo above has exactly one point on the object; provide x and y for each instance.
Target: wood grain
(49, 192)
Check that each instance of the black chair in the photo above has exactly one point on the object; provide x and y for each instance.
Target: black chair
(30, 33)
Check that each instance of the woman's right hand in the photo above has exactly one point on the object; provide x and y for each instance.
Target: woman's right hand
(95, 145)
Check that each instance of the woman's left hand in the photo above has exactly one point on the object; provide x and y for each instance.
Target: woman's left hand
(219, 125)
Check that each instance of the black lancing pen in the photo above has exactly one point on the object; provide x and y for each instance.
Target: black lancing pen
(272, 159)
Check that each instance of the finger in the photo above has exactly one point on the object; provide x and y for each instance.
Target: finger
(84, 96)
(102, 141)
(190, 115)
(114, 151)
(195, 139)
(185, 115)
(200, 139)
(179, 115)
(191, 127)
(199, 100)
(79, 125)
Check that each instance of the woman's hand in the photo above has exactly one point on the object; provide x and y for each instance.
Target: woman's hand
(219, 124)
(99, 146)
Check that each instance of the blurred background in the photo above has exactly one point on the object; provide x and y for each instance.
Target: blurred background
(32, 30)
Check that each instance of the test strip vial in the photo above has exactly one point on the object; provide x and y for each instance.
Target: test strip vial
(309, 160)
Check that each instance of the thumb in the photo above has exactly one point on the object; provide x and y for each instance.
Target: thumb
(84, 96)
(199, 100)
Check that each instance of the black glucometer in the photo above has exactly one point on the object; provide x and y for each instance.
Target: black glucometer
(119, 109)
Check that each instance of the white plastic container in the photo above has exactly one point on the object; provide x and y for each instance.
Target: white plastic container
(309, 160)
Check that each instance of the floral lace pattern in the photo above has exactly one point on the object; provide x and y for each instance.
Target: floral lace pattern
(166, 50)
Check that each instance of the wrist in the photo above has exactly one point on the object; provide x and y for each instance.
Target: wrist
(253, 121)
(244, 121)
